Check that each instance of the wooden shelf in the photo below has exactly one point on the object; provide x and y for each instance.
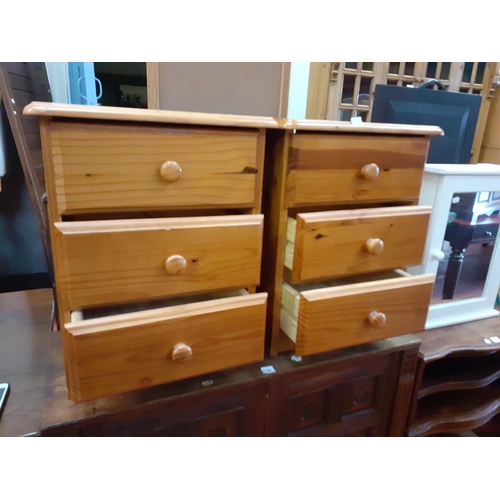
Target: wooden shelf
(455, 410)
(462, 339)
(456, 373)
(459, 386)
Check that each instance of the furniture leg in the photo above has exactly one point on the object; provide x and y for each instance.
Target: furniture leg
(453, 272)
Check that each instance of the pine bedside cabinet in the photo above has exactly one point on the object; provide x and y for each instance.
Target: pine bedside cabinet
(342, 205)
(156, 231)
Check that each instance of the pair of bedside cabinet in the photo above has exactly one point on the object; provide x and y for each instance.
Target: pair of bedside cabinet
(189, 243)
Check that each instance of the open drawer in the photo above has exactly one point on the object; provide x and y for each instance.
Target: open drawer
(331, 315)
(127, 351)
(344, 242)
(119, 261)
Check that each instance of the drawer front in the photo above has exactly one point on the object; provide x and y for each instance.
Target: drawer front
(338, 243)
(105, 262)
(345, 168)
(132, 351)
(111, 167)
(344, 316)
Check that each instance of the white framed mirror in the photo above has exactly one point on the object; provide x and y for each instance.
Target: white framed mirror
(463, 244)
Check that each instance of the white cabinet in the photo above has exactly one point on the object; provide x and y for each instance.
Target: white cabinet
(462, 247)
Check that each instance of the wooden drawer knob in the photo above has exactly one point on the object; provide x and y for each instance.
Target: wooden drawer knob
(170, 171)
(370, 171)
(181, 351)
(377, 319)
(375, 246)
(175, 264)
(438, 255)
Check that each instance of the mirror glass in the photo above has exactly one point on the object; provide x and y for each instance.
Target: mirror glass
(470, 236)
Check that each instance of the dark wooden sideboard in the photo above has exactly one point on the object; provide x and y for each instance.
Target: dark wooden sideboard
(457, 387)
(359, 391)
(362, 391)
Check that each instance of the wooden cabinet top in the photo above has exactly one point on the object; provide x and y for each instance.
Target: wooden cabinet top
(461, 340)
(80, 111)
(363, 128)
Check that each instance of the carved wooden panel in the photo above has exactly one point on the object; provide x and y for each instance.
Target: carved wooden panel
(336, 399)
(227, 424)
(312, 409)
(359, 395)
(228, 412)
(366, 432)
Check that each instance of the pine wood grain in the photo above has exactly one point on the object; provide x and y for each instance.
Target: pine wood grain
(365, 128)
(329, 244)
(118, 261)
(275, 228)
(336, 317)
(326, 168)
(104, 262)
(291, 293)
(110, 166)
(132, 351)
(114, 113)
(214, 119)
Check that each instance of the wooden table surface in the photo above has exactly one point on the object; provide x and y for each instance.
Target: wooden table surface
(31, 361)
(24, 350)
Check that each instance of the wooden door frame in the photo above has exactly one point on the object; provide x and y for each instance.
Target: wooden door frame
(489, 84)
(319, 90)
(153, 87)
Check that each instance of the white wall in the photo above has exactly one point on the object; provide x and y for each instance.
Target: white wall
(59, 81)
(297, 97)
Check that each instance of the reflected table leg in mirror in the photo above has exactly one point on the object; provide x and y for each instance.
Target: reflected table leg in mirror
(460, 234)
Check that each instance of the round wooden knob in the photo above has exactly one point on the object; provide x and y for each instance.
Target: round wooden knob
(175, 264)
(181, 351)
(438, 255)
(377, 319)
(170, 171)
(375, 246)
(370, 171)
